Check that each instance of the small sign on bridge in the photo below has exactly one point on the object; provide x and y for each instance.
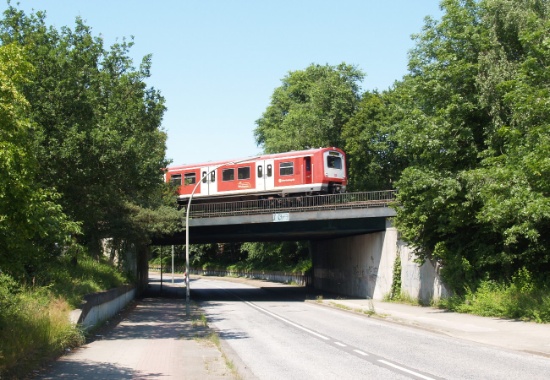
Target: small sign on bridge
(281, 217)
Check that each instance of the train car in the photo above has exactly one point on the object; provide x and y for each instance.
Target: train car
(306, 172)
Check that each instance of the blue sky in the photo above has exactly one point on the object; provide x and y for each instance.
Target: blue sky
(217, 62)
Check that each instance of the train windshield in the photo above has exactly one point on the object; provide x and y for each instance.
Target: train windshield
(334, 162)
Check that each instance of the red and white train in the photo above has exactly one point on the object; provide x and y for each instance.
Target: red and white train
(306, 172)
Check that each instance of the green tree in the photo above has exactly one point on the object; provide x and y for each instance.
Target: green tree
(99, 139)
(275, 255)
(310, 109)
(475, 195)
(32, 224)
(370, 143)
(512, 184)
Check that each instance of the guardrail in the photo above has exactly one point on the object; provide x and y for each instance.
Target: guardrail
(295, 204)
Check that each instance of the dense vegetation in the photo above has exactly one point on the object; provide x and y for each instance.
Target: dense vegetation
(289, 256)
(81, 152)
(475, 192)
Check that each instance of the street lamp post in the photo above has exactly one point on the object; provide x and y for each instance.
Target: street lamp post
(206, 174)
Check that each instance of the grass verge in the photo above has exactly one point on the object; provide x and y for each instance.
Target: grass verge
(34, 319)
(199, 321)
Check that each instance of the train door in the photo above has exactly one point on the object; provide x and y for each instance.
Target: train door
(204, 188)
(307, 170)
(269, 174)
(260, 175)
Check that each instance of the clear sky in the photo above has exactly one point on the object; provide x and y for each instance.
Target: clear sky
(217, 62)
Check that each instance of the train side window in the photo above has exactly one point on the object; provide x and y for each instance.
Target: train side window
(213, 176)
(228, 175)
(334, 162)
(243, 173)
(286, 168)
(190, 178)
(269, 170)
(175, 179)
(260, 171)
(204, 177)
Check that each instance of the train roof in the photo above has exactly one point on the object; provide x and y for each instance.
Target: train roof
(254, 158)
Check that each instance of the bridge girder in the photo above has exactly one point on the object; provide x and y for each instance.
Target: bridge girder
(316, 225)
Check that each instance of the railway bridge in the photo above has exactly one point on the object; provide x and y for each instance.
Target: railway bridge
(353, 243)
(302, 218)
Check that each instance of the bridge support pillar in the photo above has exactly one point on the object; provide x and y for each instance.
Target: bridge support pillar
(362, 266)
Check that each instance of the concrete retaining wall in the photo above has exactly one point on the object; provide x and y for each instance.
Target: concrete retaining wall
(283, 277)
(98, 307)
(420, 282)
(362, 266)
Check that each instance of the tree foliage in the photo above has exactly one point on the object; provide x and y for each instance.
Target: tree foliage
(82, 143)
(276, 255)
(31, 221)
(476, 193)
(310, 109)
(370, 142)
(98, 138)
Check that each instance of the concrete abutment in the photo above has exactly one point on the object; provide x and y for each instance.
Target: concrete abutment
(362, 266)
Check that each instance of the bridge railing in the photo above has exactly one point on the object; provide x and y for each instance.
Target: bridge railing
(295, 204)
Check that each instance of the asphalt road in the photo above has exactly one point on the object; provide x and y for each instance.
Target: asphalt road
(274, 334)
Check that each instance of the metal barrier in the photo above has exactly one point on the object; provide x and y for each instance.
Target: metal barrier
(295, 204)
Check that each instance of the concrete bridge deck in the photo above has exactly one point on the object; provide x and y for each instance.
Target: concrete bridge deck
(305, 218)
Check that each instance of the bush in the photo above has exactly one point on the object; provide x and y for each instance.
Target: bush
(524, 299)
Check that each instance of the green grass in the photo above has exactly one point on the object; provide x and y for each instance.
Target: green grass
(340, 306)
(34, 328)
(404, 298)
(34, 318)
(71, 281)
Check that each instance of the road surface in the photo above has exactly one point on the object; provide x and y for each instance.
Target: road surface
(278, 335)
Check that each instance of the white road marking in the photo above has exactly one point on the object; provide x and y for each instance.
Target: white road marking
(406, 370)
(389, 364)
(286, 321)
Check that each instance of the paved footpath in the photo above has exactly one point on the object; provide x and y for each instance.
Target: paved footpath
(155, 340)
(530, 337)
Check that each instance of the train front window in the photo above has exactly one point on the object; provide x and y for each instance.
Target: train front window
(175, 179)
(243, 173)
(228, 175)
(286, 168)
(334, 162)
(190, 178)
(204, 177)
(260, 171)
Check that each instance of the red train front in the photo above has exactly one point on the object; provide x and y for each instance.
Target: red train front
(307, 172)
